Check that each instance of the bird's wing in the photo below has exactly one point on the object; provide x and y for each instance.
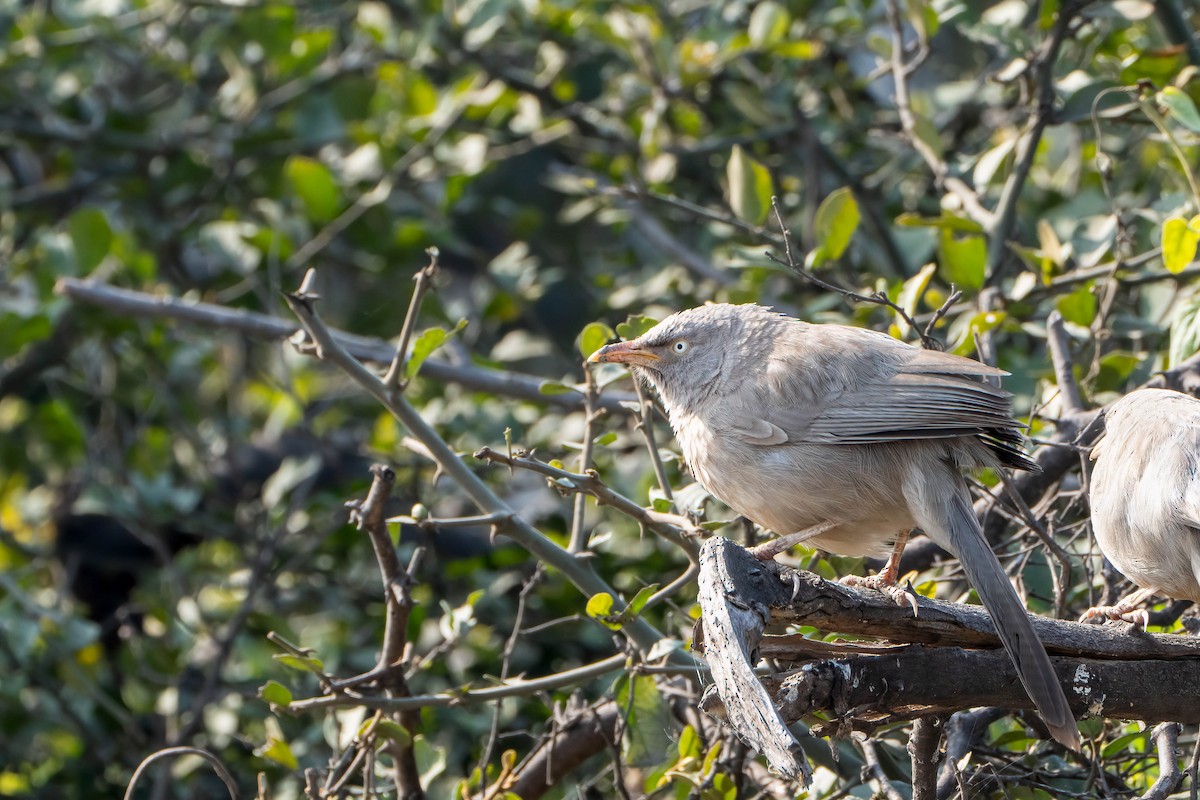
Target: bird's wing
(829, 384)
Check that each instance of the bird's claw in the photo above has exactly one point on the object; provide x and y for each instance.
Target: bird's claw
(1096, 615)
(900, 595)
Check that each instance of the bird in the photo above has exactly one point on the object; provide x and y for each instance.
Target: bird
(1145, 499)
(846, 438)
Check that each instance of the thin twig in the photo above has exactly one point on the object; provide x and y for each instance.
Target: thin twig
(577, 570)
(579, 538)
(876, 298)
(1064, 368)
(645, 424)
(424, 282)
(674, 528)
(172, 752)
(132, 303)
(883, 784)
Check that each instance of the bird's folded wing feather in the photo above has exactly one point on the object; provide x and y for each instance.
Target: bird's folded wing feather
(850, 386)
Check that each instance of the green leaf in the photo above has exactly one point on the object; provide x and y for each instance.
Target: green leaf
(951, 222)
(689, 743)
(277, 750)
(750, 186)
(1079, 306)
(1185, 330)
(645, 741)
(911, 293)
(594, 336)
(1179, 240)
(964, 259)
(301, 663)
(275, 693)
(314, 184)
(390, 729)
(837, 219)
(426, 344)
(91, 237)
(634, 326)
(599, 608)
(769, 24)
(1181, 108)
(605, 439)
(639, 601)
(554, 387)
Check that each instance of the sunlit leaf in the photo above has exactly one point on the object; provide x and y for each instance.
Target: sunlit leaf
(594, 336)
(1185, 330)
(275, 693)
(1079, 306)
(963, 259)
(836, 221)
(1179, 240)
(911, 293)
(426, 344)
(750, 186)
(278, 751)
(1180, 107)
(634, 326)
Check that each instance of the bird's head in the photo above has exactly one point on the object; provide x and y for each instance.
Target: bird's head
(685, 357)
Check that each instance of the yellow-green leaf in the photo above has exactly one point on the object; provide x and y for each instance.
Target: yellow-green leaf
(275, 693)
(314, 184)
(278, 751)
(1079, 306)
(964, 259)
(836, 221)
(750, 186)
(1179, 240)
(1180, 107)
(634, 326)
(425, 345)
(594, 336)
(911, 293)
(599, 608)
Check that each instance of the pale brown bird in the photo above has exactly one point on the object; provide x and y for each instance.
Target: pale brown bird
(846, 438)
(1145, 498)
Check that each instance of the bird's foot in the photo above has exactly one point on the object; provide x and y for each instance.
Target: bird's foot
(1138, 617)
(888, 585)
(768, 550)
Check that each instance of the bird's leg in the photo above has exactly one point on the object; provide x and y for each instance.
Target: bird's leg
(1126, 610)
(768, 550)
(886, 580)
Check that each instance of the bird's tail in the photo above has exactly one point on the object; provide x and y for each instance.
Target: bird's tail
(1009, 616)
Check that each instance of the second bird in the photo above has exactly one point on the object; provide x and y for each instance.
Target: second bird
(1145, 498)
(845, 438)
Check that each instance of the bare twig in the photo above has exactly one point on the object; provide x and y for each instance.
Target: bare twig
(1064, 367)
(424, 282)
(1166, 740)
(1006, 206)
(645, 424)
(577, 570)
(876, 298)
(672, 527)
(579, 538)
(877, 776)
(174, 752)
(500, 382)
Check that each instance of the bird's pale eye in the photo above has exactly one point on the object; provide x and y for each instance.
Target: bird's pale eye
(680, 346)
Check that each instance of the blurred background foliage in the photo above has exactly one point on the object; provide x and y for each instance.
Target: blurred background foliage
(171, 492)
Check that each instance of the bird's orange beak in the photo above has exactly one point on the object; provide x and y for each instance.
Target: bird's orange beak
(624, 353)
